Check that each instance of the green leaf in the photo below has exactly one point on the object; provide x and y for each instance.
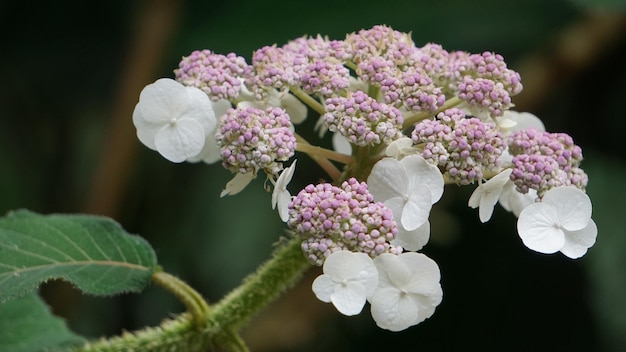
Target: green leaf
(94, 253)
(26, 324)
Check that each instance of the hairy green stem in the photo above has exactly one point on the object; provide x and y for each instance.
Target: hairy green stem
(181, 333)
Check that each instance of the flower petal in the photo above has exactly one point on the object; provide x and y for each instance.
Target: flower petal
(412, 240)
(538, 227)
(238, 183)
(349, 299)
(323, 286)
(162, 100)
(388, 179)
(417, 208)
(577, 242)
(392, 310)
(422, 173)
(573, 206)
(180, 140)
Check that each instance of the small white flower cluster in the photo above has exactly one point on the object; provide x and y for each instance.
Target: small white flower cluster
(367, 90)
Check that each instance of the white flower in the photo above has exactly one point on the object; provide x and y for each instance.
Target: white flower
(560, 222)
(514, 201)
(348, 280)
(173, 119)
(486, 195)
(238, 183)
(408, 290)
(280, 195)
(409, 187)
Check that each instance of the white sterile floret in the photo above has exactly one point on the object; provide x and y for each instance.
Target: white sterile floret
(210, 153)
(560, 222)
(408, 290)
(280, 195)
(486, 195)
(173, 119)
(341, 144)
(512, 121)
(409, 187)
(349, 279)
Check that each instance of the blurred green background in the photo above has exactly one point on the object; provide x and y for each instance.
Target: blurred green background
(72, 72)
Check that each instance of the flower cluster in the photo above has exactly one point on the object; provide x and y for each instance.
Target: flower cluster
(331, 219)
(542, 161)
(367, 221)
(464, 147)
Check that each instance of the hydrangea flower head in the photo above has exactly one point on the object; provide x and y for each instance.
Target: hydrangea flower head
(173, 119)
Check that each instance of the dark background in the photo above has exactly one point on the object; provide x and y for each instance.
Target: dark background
(71, 75)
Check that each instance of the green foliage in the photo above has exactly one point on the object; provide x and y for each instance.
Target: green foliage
(94, 253)
(26, 324)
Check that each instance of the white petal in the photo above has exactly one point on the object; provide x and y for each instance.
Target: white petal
(392, 272)
(349, 299)
(388, 179)
(199, 107)
(487, 194)
(220, 107)
(573, 206)
(417, 208)
(296, 110)
(341, 144)
(538, 228)
(280, 194)
(210, 153)
(422, 173)
(524, 120)
(577, 242)
(425, 274)
(399, 148)
(145, 130)
(180, 140)
(323, 286)
(412, 240)
(392, 310)
(346, 265)
(162, 100)
(238, 183)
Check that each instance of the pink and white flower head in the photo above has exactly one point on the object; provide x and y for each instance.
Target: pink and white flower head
(274, 68)
(331, 219)
(219, 76)
(173, 119)
(542, 161)
(463, 147)
(561, 222)
(363, 120)
(408, 290)
(253, 139)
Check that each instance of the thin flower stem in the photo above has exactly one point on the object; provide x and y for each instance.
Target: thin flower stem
(322, 161)
(413, 119)
(308, 100)
(323, 152)
(193, 301)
